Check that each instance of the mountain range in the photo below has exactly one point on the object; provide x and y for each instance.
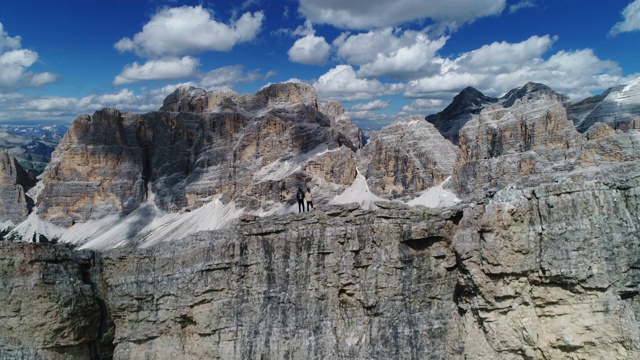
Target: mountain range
(498, 228)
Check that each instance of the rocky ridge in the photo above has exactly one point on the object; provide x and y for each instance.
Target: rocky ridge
(619, 107)
(197, 146)
(405, 158)
(538, 261)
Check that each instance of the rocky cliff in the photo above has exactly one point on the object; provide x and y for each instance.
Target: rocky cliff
(406, 158)
(14, 183)
(619, 107)
(540, 260)
(252, 150)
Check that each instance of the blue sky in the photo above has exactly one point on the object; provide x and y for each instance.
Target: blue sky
(382, 59)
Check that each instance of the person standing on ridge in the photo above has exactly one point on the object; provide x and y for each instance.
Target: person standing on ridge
(308, 198)
(300, 197)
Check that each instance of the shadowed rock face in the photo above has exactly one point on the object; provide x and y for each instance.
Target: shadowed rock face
(450, 120)
(14, 183)
(51, 309)
(111, 162)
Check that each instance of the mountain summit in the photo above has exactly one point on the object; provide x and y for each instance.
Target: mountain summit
(471, 101)
(618, 106)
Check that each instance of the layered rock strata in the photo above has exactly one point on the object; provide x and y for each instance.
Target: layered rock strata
(50, 307)
(111, 162)
(539, 261)
(14, 183)
(619, 107)
(405, 158)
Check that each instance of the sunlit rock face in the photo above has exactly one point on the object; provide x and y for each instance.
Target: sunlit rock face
(14, 183)
(618, 107)
(200, 144)
(405, 158)
(538, 261)
(550, 203)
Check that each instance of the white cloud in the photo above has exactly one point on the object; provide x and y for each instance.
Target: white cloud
(373, 105)
(162, 69)
(14, 73)
(342, 84)
(496, 68)
(388, 52)
(186, 30)
(373, 14)
(524, 4)
(310, 50)
(8, 42)
(423, 106)
(25, 107)
(406, 62)
(500, 54)
(226, 77)
(631, 22)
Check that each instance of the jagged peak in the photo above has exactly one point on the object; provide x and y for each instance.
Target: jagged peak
(289, 92)
(531, 91)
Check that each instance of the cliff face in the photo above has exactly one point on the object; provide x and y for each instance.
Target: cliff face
(619, 107)
(405, 158)
(540, 260)
(50, 308)
(14, 183)
(112, 162)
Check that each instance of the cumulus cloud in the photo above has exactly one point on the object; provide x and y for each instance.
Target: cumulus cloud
(228, 76)
(188, 30)
(310, 50)
(382, 13)
(406, 62)
(423, 106)
(499, 67)
(8, 42)
(162, 69)
(372, 105)
(502, 54)
(17, 106)
(342, 84)
(389, 52)
(14, 65)
(631, 22)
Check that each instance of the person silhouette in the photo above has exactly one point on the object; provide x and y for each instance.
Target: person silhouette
(300, 197)
(308, 198)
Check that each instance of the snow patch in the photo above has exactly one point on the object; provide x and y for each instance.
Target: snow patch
(34, 225)
(359, 193)
(435, 197)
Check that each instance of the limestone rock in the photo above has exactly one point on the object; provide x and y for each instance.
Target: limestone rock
(112, 162)
(342, 123)
(329, 280)
(619, 107)
(49, 306)
(97, 169)
(450, 120)
(405, 158)
(14, 183)
(470, 102)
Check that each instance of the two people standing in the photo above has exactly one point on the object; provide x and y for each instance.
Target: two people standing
(302, 196)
